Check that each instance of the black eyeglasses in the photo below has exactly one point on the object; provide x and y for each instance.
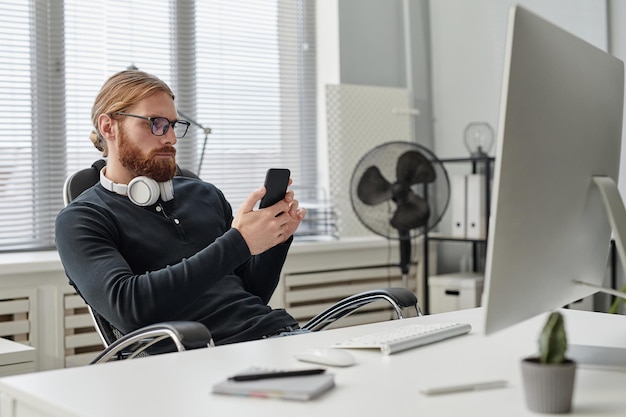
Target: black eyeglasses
(160, 125)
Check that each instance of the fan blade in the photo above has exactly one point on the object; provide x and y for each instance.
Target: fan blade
(373, 188)
(411, 213)
(414, 168)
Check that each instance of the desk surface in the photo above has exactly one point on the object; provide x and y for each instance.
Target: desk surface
(179, 384)
(14, 352)
(16, 358)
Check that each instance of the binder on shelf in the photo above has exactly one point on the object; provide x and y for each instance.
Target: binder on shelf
(458, 205)
(476, 207)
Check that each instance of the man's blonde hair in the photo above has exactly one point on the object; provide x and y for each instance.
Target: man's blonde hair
(119, 92)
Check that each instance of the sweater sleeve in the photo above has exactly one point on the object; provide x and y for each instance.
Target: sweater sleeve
(87, 241)
(261, 273)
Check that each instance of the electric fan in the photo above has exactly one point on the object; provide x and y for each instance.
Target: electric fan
(399, 190)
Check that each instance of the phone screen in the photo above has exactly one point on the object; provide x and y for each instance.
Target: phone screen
(276, 182)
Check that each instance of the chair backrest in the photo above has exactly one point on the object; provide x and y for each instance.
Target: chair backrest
(76, 184)
(107, 332)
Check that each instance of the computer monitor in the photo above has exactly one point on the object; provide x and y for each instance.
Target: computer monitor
(560, 126)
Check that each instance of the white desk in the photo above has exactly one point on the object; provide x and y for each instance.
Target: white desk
(16, 358)
(180, 384)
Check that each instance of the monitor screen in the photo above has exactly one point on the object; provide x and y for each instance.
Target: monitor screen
(560, 125)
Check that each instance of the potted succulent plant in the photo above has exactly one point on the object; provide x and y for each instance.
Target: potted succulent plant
(549, 377)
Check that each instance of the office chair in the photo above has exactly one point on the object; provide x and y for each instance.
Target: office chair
(187, 335)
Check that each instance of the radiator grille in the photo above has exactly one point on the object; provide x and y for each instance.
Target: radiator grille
(82, 342)
(17, 309)
(308, 294)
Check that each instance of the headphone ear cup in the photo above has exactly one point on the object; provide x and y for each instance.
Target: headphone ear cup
(144, 191)
(167, 190)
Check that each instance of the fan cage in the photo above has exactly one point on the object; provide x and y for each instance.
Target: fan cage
(377, 218)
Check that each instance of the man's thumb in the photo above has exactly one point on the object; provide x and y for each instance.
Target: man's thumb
(253, 198)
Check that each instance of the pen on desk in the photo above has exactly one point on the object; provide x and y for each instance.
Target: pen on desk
(464, 387)
(276, 374)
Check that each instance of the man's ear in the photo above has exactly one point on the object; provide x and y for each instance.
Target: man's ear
(107, 127)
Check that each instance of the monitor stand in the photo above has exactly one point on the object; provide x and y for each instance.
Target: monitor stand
(604, 357)
(598, 357)
(616, 214)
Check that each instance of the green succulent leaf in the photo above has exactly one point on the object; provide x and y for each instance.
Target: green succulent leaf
(553, 340)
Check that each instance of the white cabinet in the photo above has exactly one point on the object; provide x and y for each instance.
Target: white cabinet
(35, 310)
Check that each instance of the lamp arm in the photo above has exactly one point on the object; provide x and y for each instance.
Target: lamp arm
(206, 130)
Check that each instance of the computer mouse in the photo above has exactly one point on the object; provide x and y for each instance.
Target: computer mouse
(326, 356)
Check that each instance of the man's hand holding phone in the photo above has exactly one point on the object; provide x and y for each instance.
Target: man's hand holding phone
(263, 228)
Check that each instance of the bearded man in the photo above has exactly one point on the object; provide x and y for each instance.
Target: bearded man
(145, 246)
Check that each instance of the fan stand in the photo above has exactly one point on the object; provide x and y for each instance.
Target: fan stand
(405, 256)
(394, 172)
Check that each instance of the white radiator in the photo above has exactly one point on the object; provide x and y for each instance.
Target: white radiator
(81, 341)
(318, 274)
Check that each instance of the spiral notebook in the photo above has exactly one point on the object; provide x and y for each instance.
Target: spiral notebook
(299, 388)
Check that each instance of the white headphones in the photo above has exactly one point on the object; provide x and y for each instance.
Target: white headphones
(142, 191)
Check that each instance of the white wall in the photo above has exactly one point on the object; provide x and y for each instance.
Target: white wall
(328, 70)
(468, 52)
(468, 42)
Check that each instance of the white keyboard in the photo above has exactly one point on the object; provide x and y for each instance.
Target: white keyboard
(406, 337)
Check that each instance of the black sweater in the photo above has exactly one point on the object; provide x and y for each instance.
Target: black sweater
(175, 260)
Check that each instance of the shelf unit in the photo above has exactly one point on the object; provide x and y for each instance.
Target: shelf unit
(476, 163)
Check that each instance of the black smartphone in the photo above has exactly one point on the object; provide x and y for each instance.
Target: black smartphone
(276, 182)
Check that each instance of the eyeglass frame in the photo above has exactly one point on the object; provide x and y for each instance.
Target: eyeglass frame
(169, 124)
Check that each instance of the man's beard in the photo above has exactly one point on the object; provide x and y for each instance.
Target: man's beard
(159, 169)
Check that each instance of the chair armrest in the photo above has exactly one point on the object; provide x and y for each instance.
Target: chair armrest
(185, 335)
(398, 298)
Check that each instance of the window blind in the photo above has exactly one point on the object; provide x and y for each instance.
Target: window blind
(245, 69)
(125, 33)
(16, 147)
(31, 121)
(255, 88)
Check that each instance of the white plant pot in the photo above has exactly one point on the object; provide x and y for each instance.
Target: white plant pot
(548, 387)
